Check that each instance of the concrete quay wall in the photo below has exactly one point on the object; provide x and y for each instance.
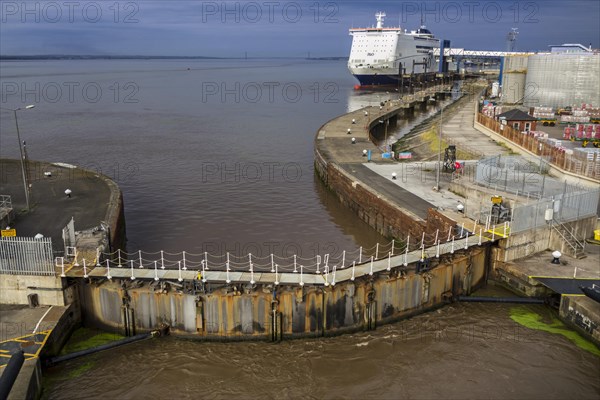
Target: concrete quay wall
(241, 311)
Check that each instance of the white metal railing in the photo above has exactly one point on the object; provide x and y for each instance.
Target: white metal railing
(26, 256)
(230, 267)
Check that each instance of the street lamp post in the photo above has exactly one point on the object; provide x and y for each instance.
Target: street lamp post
(25, 183)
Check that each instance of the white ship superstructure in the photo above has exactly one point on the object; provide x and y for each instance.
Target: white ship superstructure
(379, 56)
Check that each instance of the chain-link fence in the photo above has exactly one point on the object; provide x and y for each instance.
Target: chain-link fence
(538, 191)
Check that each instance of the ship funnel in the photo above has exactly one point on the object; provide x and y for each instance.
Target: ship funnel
(380, 16)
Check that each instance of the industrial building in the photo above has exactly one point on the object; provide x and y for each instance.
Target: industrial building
(569, 75)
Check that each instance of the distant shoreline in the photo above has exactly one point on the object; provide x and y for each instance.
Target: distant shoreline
(92, 57)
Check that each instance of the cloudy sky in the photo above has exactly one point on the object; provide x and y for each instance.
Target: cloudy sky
(279, 28)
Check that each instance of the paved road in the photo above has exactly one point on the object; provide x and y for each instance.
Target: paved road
(395, 193)
(51, 210)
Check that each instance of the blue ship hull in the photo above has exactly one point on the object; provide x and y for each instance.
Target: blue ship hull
(394, 80)
(377, 80)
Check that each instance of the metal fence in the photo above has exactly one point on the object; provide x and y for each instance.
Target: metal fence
(26, 256)
(538, 191)
(566, 207)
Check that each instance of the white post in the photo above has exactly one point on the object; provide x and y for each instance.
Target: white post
(333, 276)
(155, 271)
(108, 270)
(437, 233)
(479, 243)
(389, 261)
(119, 255)
(141, 265)
(462, 230)
(131, 265)
(205, 260)
(343, 259)
(203, 270)
(452, 248)
(371, 271)
(162, 260)
(318, 263)
(406, 253)
(62, 265)
(97, 257)
(179, 268)
(184, 265)
(437, 251)
(301, 275)
(474, 226)
(467, 241)
(85, 274)
(272, 264)
(493, 232)
(449, 234)
(250, 261)
(76, 258)
(326, 275)
(353, 267)
(393, 243)
(575, 273)
(360, 255)
(276, 275)
(423, 240)
(377, 251)
(227, 263)
(251, 274)
(295, 270)
(227, 280)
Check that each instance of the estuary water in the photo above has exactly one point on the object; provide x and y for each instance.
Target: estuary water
(211, 155)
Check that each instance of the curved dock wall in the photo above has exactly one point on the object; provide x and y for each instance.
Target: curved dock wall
(382, 215)
(241, 311)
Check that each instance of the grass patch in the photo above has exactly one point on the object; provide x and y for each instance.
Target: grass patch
(432, 137)
(533, 320)
(85, 338)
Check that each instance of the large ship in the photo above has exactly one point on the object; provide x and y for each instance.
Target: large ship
(385, 56)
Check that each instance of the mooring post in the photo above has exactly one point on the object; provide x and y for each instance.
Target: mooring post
(119, 257)
(437, 251)
(353, 266)
(318, 263)
(295, 270)
(479, 243)
(301, 275)
(467, 241)
(108, 270)
(85, 274)
(343, 259)
(377, 251)
(393, 242)
(184, 265)
(132, 276)
(155, 271)
(162, 260)
(360, 255)
(140, 254)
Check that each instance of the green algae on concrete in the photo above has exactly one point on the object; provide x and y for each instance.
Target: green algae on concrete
(85, 338)
(532, 320)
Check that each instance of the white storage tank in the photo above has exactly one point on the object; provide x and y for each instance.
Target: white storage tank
(561, 79)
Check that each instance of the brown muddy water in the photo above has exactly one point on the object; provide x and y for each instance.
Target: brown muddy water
(461, 351)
